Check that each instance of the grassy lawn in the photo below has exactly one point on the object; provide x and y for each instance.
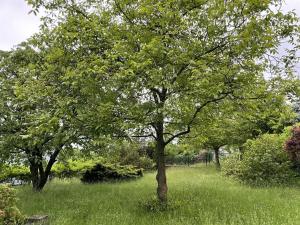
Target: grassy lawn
(199, 196)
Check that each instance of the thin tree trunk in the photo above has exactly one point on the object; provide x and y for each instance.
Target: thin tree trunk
(162, 188)
(161, 178)
(241, 150)
(217, 157)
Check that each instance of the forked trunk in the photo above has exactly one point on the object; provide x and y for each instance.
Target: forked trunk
(34, 172)
(39, 175)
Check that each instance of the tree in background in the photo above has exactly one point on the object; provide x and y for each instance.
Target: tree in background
(35, 121)
(232, 123)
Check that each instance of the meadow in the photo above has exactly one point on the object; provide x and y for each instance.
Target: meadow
(197, 195)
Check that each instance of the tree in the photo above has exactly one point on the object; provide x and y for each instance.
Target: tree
(233, 123)
(169, 60)
(218, 134)
(35, 122)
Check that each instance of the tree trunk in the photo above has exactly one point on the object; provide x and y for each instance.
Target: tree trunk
(39, 175)
(241, 150)
(161, 178)
(217, 157)
(162, 188)
(34, 171)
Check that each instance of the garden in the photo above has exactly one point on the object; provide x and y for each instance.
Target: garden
(152, 112)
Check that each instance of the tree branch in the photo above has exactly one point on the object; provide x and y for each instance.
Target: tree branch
(198, 109)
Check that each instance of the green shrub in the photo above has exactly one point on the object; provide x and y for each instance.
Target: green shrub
(9, 213)
(264, 162)
(72, 168)
(17, 172)
(145, 163)
(105, 172)
(133, 155)
(231, 166)
(67, 169)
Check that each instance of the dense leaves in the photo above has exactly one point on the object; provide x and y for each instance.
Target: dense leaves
(152, 69)
(9, 213)
(292, 146)
(264, 162)
(102, 172)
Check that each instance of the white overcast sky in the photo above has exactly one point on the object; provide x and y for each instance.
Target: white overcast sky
(16, 25)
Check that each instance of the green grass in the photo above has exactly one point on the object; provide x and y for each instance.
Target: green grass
(199, 196)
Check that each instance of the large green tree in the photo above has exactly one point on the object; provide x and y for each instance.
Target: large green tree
(169, 60)
(36, 122)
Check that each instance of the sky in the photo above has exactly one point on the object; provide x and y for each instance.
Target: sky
(16, 25)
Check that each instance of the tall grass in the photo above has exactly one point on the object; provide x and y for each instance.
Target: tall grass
(198, 195)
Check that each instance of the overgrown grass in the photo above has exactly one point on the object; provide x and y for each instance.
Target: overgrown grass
(199, 196)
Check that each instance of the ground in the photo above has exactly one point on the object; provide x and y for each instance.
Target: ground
(198, 195)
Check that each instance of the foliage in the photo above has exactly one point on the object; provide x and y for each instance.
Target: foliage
(15, 172)
(160, 64)
(145, 163)
(69, 168)
(182, 158)
(134, 154)
(104, 172)
(232, 165)
(263, 162)
(35, 121)
(180, 154)
(72, 168)
(9, 213)
(292, 146)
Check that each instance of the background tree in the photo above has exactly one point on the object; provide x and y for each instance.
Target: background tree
(35, 123)
(232, 123)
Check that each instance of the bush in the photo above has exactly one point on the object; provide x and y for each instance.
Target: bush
(231, 166)
(145, 163)
(102, 172)
(8, 173)
(9, 213)
(67, 169)
(292, 146)
(181, 158)
(72, 168)
(263, 162)
(132, 155)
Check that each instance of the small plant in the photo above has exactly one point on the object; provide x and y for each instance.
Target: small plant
(9, 213)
